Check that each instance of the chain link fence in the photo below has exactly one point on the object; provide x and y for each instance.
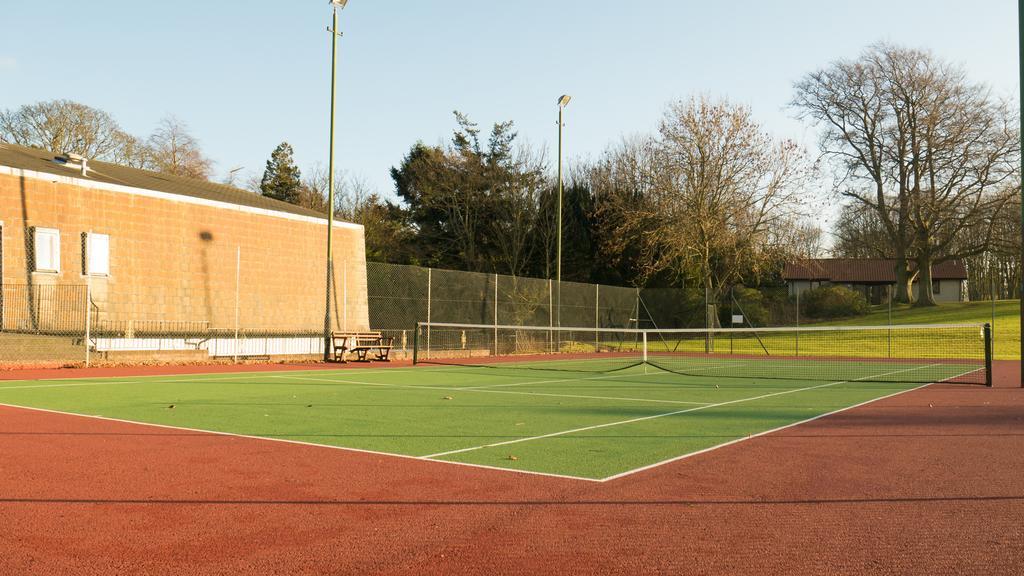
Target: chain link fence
(70, 325)
(230, 315)
(68, 307)
(400, 296)
(42, 324)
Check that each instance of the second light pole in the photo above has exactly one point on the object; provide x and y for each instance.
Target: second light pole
(335, 6)
(563, 101)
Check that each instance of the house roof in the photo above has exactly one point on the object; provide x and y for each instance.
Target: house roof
(37, 160)
(864, 270)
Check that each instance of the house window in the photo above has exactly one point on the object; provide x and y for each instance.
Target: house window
(936, 287)
(47, 250)
(97, 254)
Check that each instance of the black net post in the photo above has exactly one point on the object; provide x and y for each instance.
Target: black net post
(415, 343)
(987, 330)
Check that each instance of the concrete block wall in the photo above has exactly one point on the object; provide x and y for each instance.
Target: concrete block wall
(174, 259)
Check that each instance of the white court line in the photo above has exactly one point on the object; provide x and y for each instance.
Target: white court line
(240, 375)
(177, 378)
(2, 388)
(674, 413)
(361, 383)
(298, 442)
(466, 389)
(94, 383)
(223, 376)
(751, 436)
(453, 462)
(776, 364)
(737, 440)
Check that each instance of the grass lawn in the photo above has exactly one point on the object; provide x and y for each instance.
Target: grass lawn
(960, 341)
(1007, 320)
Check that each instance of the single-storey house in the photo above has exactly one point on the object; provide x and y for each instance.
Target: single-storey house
(158, 262)
(875, 277)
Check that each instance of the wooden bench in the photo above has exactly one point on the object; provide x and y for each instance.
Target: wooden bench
(362, 344)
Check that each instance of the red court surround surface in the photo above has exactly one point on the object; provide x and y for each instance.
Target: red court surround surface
(928, 482)
(163, 370)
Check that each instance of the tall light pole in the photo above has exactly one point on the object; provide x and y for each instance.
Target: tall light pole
(335, 6)
(563, 101)
(1020, 83)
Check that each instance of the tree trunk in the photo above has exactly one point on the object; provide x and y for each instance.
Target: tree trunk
(710, 303)
(925, 296)
(903, 279)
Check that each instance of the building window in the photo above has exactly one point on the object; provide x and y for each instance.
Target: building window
(936, 287)
(47, 249)
(97, 254)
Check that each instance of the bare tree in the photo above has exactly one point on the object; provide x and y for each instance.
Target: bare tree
(351, 194)
(995, 272)
(63, 126)
(132, 152)
(917, 144)
(313, 192)
(384, 226)
(805, 239)
(175, 151)
(710, 197)
(963, 147)
(861, 134)
(1005, 251)
(859, 233)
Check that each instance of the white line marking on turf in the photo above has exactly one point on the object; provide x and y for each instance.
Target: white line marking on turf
(361, 383)
(300, 443)
(750, 437)
(2, 388)
(674, 413)
(766, 432)
(468, 389)
(239, 375)
(94, 383)
(179, 378)
(429, 458)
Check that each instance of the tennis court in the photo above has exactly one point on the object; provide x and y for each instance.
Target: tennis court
(594, 415)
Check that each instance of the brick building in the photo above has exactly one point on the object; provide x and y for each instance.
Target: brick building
(164, 257)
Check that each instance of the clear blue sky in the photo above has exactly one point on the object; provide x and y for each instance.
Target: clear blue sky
(247, 75)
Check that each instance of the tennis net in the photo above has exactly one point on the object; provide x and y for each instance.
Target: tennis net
(910, 353)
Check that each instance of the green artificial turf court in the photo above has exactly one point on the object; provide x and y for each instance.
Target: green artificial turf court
(572, 418)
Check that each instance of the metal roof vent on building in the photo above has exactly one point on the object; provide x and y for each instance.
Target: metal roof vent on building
(75, 161)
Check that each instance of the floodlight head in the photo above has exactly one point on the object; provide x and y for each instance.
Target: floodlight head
(564, 100)
(339, 3)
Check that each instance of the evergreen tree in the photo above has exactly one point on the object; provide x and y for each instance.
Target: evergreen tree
(282, 180)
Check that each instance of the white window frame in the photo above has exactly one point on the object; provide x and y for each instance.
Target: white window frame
(50, 237)
(102, 266)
